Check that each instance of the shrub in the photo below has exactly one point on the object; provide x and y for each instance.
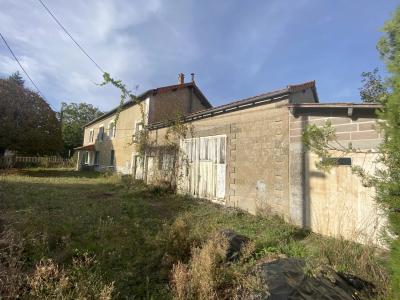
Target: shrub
(360, 260)
(80, 281)
(209, 276)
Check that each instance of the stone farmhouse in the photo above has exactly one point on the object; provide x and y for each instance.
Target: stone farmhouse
(248, 154)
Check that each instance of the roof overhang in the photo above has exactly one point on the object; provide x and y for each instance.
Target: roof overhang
(86, 148)
(318, 107)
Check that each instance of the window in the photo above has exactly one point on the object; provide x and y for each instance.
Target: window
(112, 157)
(86, 157)
(339, 161)
(111, 129)
(91, 135)
(138, 129)
(100, 136)
(167, 162)
(97, 157)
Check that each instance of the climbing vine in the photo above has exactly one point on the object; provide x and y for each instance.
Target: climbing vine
(177, 130)
(141, 139)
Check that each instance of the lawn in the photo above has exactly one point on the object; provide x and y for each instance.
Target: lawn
(135, 233)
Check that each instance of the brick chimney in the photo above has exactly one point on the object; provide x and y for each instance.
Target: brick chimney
(181, 78)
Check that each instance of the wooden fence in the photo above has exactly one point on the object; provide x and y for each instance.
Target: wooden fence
(8, 162)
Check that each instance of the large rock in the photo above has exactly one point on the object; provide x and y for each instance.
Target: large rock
(285, 278)
(235, 244)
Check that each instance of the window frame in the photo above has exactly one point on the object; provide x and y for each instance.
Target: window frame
(102, 134)
(112, 157)
(111, 124)
(91, 135)
(137, 131)
(96, 158)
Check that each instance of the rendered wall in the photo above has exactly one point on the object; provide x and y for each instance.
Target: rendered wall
(335, 203)
(121, 143)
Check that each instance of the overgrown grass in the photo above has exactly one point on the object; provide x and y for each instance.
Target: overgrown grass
(138, 234)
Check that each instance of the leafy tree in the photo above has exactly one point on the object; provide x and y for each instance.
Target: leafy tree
(27, 123)
(17, 79)
(73, 117)
(374, 89)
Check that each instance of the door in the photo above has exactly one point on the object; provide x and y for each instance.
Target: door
(150, 169)
(205, 170)
(139, 167)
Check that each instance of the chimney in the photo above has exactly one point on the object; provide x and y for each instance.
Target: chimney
(181, 78)
(192, 74)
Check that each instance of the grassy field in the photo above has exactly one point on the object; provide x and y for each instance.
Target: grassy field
(136, 233)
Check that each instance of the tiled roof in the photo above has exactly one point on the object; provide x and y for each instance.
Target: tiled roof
(159, 90)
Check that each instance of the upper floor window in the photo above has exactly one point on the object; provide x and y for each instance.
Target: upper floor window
(138, 129)
(100, 136)
(111, 129)
(91, 135)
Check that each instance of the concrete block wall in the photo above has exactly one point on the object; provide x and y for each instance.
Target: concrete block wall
(336, 203)
(257, 156)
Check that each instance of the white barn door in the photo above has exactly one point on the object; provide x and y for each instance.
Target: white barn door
(205, 167)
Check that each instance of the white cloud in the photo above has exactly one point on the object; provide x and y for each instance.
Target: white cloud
(145, 42)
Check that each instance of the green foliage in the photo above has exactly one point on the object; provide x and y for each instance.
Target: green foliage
(27, 123)
(322, 141)
(126, 94)
(389, 185)
(374, 90)
(17, 79)
(73, 117)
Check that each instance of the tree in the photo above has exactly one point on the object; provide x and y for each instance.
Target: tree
(73, 117)
(17, 79)
(389, 184)
(374, 90)
(27, 123)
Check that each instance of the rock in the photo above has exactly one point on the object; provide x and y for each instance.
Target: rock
(235, 244)
(285, 278)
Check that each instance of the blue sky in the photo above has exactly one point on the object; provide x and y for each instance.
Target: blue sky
(236, 48)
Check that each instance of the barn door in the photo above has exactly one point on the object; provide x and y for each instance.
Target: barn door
(206, 166)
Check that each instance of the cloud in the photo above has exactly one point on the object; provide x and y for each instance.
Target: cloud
(60, 70)
(236, 49)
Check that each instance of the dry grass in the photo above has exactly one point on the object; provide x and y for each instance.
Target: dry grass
(361, 260)
(46, 280)
(49, 281)
(209, 276)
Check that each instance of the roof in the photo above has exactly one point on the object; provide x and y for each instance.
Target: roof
(90, 147)
(344, 107)
(337, 105)
(253, 101)
(160, 90)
